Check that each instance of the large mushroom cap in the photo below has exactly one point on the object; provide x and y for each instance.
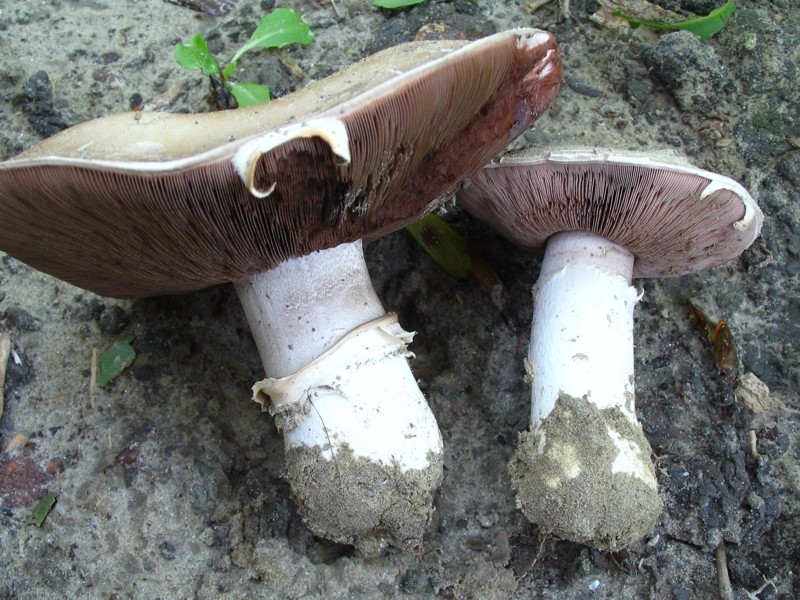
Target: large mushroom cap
(142, 204)
(673, 217)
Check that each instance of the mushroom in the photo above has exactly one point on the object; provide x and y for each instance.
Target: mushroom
(277, 198)
(583, 471)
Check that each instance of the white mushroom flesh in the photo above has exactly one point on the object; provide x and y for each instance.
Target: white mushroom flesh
(582, 336)
(357, 388)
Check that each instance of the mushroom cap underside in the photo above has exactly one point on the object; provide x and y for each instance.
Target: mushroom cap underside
(673, 217)
(92, 207)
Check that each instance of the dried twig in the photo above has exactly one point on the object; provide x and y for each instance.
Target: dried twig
(5, 350)
(93, 378)
(543, 538)
(753, 439)
(767, 583)
(725, 589)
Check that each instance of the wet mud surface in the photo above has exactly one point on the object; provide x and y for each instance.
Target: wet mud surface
(169, 481)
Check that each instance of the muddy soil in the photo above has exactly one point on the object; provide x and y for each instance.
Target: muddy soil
(169, 480)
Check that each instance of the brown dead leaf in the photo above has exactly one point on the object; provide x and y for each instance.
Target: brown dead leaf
(445, 31)
(217, 8)
(164, 101)
(754, 394)
(127, 457)
(22, 481)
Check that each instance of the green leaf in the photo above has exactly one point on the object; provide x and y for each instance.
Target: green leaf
(395, 3)
(195, 55)
(451, 252)
(249, 94)
(43, 508)
(115, 360)
(444, 245)
(279, 28)
(702, 27)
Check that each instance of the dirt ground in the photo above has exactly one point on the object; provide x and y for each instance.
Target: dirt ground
(169, 481)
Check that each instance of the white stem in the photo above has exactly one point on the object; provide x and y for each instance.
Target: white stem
(583, 472)
(582, 335)
(306, 316)
(302, 307)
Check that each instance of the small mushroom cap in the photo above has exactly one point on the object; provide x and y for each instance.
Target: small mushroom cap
(674, 218)
(141, 204)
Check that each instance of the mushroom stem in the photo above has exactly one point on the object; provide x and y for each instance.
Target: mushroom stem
(583, 472)
(303, 306)
(363, 450)
(582, 331)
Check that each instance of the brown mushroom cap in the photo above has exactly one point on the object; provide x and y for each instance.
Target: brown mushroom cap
(140, 204)
(673, 217)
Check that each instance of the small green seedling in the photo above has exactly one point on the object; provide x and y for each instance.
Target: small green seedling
(702, 27)
(395, 3)
(43, 508)
(115, 360)
(450, 251)
(280, 28)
